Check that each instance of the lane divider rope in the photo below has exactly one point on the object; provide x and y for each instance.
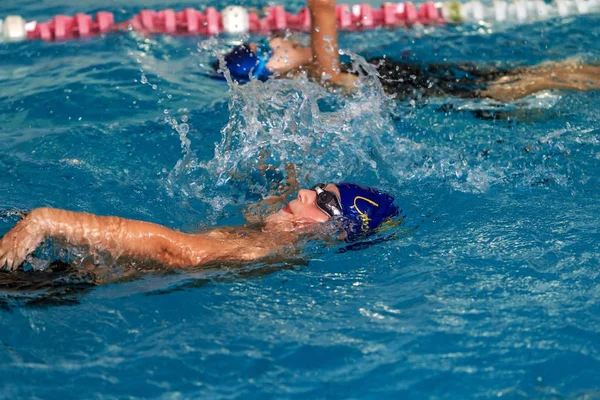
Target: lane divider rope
(238, 20)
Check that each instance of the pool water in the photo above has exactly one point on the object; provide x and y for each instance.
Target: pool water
(489, 289)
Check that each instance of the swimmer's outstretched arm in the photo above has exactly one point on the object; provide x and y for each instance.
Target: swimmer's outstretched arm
(567, 75)
(324, 43)
(120, 237)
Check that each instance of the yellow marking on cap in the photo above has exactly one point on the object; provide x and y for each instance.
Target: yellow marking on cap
(363, 216)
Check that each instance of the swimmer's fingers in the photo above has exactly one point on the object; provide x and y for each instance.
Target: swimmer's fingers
(3, 263)
(6, 253)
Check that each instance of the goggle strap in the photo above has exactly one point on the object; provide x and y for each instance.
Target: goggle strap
(262, 60)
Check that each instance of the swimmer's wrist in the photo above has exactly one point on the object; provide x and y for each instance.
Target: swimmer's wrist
(320, 4)
(46, 222)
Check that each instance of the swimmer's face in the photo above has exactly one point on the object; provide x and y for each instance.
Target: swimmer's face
(304, 208)
(287, 55)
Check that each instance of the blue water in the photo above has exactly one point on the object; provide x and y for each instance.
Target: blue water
(491, 290)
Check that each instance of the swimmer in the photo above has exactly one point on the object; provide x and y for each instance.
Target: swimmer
(284, 58)
(355, 211)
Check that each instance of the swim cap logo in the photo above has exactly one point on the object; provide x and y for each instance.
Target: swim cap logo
(363, 215)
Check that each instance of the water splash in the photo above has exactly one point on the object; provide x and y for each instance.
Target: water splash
(326, 135)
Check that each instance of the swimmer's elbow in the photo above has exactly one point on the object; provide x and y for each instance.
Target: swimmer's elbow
(180, 252)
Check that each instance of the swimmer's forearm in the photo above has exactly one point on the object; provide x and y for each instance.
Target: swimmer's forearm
(323, 37)
(566, 75)
(124, 237)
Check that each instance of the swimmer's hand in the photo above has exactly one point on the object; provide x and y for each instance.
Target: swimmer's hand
(341, 80)
(20, 241)
(347, 82)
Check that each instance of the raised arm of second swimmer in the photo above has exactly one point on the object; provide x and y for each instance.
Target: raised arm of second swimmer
(119, 237)
(324, 43)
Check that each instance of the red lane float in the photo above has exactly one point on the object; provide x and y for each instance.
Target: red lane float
(63, 27)
(211, 22)
(237, 20)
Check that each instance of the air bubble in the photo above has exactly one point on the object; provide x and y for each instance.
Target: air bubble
(183, 129)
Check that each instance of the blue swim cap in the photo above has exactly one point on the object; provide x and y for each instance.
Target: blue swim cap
(364, 209)
(242, 62)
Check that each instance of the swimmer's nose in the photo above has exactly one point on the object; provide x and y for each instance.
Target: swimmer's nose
(307, 196)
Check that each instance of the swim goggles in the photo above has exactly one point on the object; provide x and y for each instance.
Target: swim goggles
(327, 201)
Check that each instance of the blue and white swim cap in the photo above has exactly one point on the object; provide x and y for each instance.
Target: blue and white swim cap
(364, 209)
(244, 63)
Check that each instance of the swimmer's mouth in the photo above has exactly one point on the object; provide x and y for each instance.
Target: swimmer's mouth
(287, 209)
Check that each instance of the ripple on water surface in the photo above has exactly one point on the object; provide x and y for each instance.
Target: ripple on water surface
(488, 289)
